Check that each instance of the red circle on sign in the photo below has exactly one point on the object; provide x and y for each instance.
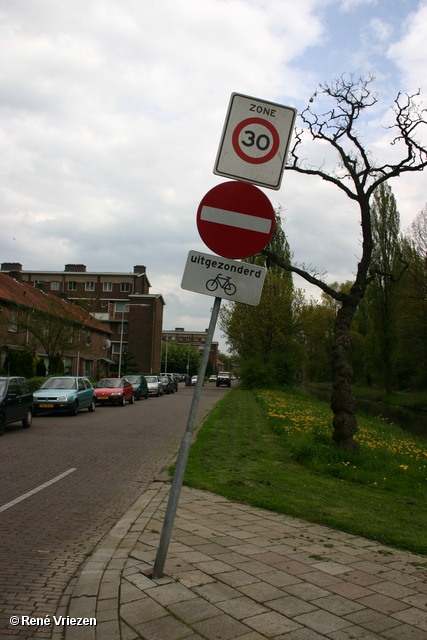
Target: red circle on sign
(240, 152)
(236, 220)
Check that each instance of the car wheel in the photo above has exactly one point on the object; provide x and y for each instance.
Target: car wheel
(74, 408)
(92, 405)
(123, 400)
(2, 425)
(132, 399)
(26, 422)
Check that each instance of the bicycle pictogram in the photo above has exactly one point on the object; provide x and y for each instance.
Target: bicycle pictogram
(222, 282)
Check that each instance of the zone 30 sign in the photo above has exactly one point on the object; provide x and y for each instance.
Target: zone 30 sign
(255, 141)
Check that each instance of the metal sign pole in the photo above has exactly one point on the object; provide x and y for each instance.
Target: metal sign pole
(184, 450)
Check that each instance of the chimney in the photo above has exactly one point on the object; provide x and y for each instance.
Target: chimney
(75, 268)
(11, 266)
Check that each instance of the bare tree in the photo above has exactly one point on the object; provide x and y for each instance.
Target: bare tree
(357, 175)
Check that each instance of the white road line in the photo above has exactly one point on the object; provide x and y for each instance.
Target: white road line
(36, 490)
(235, 219)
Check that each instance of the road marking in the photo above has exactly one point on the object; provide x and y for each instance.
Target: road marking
(36, 490)
(235, 219)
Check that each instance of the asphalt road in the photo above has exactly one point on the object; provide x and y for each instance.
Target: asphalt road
(107, 457)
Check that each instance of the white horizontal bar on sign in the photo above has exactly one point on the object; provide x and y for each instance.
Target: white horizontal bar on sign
(235, 219)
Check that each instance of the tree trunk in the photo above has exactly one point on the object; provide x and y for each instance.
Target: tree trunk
(343, 404)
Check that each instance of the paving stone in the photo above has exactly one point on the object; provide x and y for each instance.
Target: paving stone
(171, 593)
(322, 621)
(261, 591)
(405, 631)
(383, 604)
(290, 606)
(141, 611)
(338, 605)
(271, 623)
(190, 612)
(167, 628)
(221, 627)
(240, 608)
(216, 592)
(236, 578)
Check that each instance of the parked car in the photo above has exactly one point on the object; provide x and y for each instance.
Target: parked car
(114, 391)
(64, 393)
(16, 402)
(155, 386)
(167, 382)
(179, 376)
(223, 378)
(212, 378)
(172, 377)
(139, 384)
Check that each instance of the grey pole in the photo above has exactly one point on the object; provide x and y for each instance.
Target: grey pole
(184, 450)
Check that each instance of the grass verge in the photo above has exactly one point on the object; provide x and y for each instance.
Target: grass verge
(273, 450)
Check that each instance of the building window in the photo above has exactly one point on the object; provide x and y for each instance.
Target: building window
(87, 368)
(89, 286)
(107, 286)
(72, 286)
(125, 286)
(13, 319)
(122, 307)
(188, 338)
(54, 285)
(125, 328)
(88, 338)
(68, 365)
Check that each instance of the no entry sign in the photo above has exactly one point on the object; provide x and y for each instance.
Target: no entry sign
(235, 220)
(255, 141)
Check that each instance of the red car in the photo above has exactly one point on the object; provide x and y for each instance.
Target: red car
(114, 391)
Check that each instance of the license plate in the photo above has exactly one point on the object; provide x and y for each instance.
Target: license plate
(102, 397)
(46, 406)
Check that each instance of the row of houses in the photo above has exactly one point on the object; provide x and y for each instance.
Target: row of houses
(99, 316)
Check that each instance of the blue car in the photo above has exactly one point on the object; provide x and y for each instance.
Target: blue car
(66, 394)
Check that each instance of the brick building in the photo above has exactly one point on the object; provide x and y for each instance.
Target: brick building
(34, 321)
(196, 339)
(121, 301)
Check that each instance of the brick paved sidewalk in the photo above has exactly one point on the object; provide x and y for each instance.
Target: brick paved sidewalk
(238, 572)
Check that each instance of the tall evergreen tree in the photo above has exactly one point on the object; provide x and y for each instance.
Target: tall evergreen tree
(382, 292)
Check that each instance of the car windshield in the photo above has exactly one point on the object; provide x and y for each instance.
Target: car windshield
(151, 379)
(109, 383)
(60, 383)
(133, 379)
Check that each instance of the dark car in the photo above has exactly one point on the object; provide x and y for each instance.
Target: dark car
(16, 402)
(174, 377)
(139, 384)
(168, 383)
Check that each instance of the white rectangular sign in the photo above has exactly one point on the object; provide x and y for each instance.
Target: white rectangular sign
(223, 278)
(255, 141)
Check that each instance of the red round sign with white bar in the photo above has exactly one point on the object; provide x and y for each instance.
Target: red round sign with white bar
(236, 220)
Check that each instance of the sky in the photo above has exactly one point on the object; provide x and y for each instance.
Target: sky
(111, 114)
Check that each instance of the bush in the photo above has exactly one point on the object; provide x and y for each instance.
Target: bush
(36, 382)
(257, 375)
